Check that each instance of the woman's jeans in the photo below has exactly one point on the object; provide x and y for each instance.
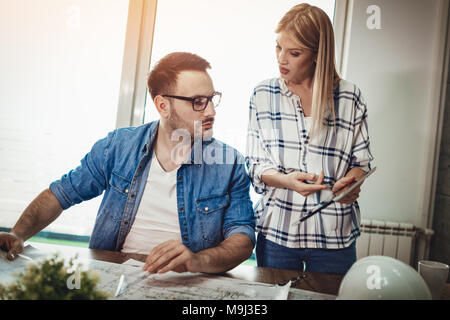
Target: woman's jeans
(272, 255)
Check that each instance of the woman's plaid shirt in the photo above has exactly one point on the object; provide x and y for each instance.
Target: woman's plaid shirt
(277, 139)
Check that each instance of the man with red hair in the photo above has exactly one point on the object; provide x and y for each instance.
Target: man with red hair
(184, 203)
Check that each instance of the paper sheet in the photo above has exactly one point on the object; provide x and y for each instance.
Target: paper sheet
(299, 294)
(135, 263)
(9, 269)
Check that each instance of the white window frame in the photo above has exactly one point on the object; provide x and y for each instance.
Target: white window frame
(342, 26)
(136, 62)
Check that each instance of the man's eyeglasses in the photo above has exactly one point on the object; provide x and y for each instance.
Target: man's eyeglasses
(199, 103)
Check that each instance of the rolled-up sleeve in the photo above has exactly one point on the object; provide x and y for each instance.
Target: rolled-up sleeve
(88, 180)
(361, 155)
(257, 158)
(239, 217)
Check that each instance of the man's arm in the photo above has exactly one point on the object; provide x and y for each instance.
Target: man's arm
(42, 211)
(173, 255)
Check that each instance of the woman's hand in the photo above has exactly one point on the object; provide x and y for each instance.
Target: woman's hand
(295, 181)
(344, 183)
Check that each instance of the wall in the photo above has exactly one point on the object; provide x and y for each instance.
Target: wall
(399, 70)
(60, 68)
(440, 243)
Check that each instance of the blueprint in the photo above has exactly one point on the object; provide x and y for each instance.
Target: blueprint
(139, 285)
(294, 294)
(186, 286)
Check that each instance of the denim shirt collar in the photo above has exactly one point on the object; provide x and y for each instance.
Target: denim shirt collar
(153, 129)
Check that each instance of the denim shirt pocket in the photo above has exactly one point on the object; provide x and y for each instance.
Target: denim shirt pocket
(210, 214)
(120, 188)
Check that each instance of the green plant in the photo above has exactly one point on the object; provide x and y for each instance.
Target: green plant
(48, 280)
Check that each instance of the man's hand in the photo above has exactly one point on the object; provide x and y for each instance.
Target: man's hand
(172, 255)
(43, 210)
(11, 243)
(295, 181)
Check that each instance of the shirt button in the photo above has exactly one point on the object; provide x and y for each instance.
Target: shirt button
(206, 208)
(126, 222)
(181, 208)
(179, 179)
(126, 190)
(185, 238)
(132, 195)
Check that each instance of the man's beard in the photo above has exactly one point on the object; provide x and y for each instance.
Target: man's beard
(195, 129)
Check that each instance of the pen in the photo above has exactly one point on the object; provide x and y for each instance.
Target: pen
(25, 257)
(316, 209)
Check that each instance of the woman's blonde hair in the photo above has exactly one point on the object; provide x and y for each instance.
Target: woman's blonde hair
(312, 29)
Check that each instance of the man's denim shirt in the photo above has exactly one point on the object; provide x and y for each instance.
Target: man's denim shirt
(212, 190)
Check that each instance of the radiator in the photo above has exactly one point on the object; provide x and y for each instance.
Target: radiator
(402, 241)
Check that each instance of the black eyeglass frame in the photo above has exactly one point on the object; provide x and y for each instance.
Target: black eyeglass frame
(192, 99)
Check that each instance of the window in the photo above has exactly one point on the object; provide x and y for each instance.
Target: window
(61, 63)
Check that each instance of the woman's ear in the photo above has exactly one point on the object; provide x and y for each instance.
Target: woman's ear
(162, 106)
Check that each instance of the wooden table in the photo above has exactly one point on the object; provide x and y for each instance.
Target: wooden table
(315, 281)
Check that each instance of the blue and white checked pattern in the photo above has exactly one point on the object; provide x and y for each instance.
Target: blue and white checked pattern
(278, 139)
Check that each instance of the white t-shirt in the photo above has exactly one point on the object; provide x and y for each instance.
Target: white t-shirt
(156, 219)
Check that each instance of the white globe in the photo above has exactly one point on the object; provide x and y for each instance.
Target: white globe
(382, 278)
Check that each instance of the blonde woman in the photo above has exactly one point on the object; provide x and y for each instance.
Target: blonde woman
(307, 140)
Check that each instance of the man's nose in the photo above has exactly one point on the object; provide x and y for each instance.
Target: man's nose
(209, 110)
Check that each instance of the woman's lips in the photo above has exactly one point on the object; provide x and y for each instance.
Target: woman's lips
(284, 70)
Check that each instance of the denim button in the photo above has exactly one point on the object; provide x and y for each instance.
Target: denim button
(126, 190)
(185, 238)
